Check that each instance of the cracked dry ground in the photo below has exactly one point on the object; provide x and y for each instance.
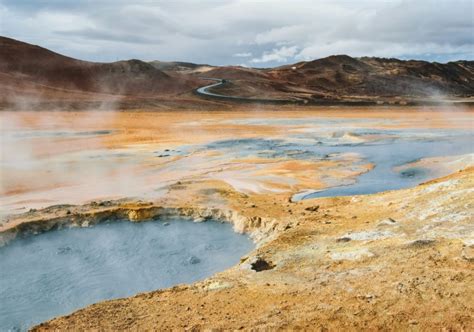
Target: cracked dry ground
(391, 261)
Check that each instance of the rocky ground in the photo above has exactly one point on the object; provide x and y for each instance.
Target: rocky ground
(395, 260)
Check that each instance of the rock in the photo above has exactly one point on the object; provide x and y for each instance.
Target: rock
(166, 224)
(367, 297)
(387, 222)
(260, 264)
(256, 221)
(243, 259)
(421, 243)
(314, 208)
(343, 239)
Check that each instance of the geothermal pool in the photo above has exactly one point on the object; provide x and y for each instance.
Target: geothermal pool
(390, 153)
(56, 272)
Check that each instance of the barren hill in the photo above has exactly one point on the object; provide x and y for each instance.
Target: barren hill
(28, 67)
(33, 71)
(342, 77)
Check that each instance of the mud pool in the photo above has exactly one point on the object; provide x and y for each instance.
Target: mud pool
(56, 272)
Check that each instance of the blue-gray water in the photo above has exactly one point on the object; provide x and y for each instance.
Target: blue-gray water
(388, 154)
(60, 271)
(392, 148)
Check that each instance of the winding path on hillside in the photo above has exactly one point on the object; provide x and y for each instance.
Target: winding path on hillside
(204, 91)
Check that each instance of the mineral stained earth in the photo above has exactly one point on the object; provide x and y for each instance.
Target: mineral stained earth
(396, 260)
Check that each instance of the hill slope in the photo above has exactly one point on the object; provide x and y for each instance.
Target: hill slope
(33, 71)
(36, 67)
(345, 78)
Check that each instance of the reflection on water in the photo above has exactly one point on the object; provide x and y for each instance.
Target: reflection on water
(57, 272)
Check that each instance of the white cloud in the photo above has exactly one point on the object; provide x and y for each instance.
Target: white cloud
(276, 55)
(281, 34)
(243, 55)
(258, 32)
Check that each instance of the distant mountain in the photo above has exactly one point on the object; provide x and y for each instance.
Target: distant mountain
(31, 70)
(29, 65)
(342, 77)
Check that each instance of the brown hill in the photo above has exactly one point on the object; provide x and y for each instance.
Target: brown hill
(35, 72)
(342, 77)
(381, 77)
(31, 66)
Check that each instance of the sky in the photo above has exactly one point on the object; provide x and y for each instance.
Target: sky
(263, 33)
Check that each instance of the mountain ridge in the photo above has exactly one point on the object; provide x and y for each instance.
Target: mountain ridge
(27, 68)
(39, 65)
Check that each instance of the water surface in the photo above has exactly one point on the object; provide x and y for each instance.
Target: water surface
(387, 154)
(57, 272)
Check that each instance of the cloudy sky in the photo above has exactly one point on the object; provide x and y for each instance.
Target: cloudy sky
(252, 33)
